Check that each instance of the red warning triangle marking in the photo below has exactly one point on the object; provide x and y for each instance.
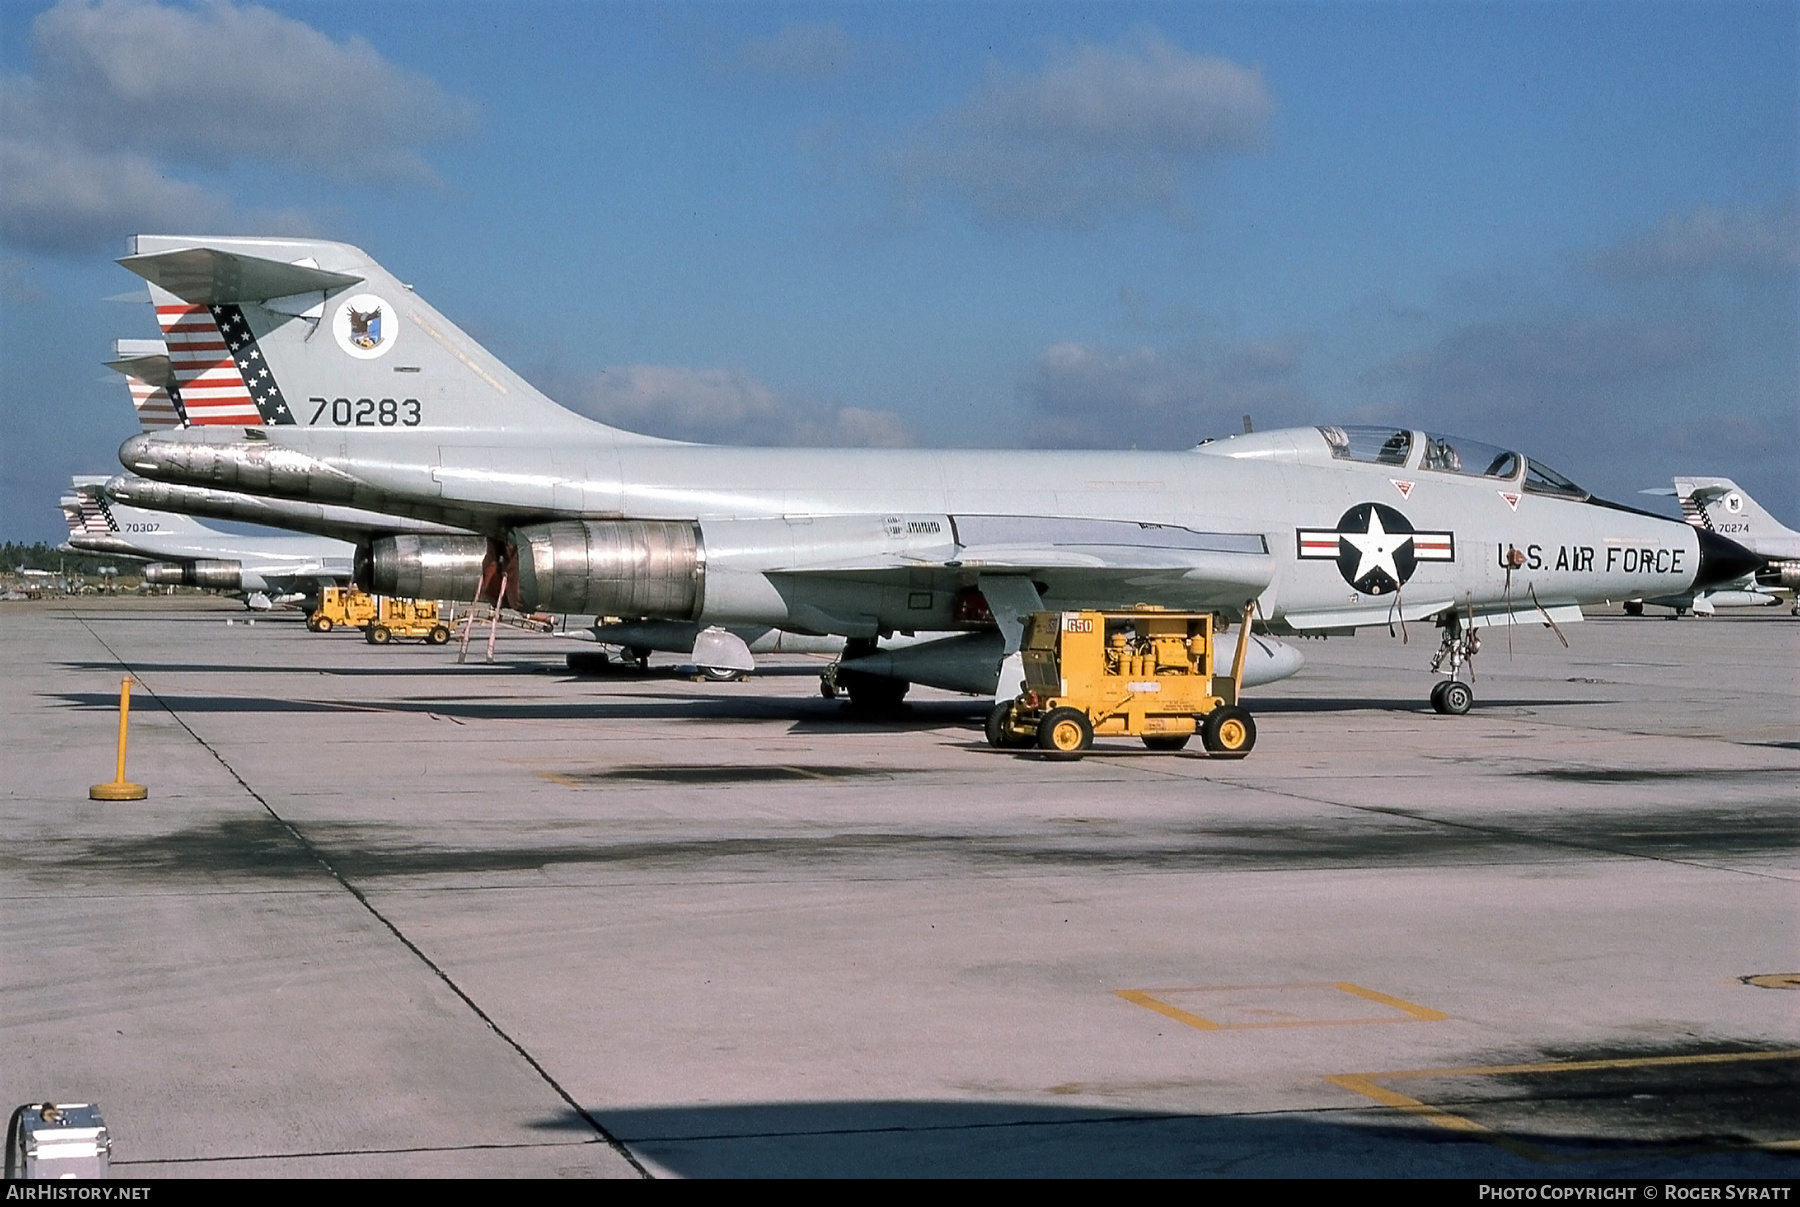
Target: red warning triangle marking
(1512, 500)
(1405, 488)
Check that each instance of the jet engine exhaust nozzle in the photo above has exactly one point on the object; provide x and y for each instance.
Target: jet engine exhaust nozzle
(635, 568)
(212, 573)
(423, 567)
(1722, 560)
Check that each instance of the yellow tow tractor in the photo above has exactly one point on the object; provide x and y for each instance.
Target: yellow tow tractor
(395, 617)
(1144, 673)
(342, 607)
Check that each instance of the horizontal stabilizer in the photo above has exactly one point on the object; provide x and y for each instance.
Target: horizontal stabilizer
(152, 369)
(206, 276)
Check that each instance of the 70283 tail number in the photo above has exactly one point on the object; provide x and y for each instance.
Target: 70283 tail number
(366, 412)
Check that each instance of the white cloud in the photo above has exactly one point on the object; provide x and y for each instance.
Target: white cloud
(224, 83)
(1739, 239)
(1100, 131)
(68, 199)
(804, 49)
(717, 406)
(124, 92)
(1081, 396)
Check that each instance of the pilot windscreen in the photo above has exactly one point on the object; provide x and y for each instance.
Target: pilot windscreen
(1455, 455)
(1542, 480)
(1375, 445)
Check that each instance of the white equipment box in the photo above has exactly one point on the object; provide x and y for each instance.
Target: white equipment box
(58, 1140)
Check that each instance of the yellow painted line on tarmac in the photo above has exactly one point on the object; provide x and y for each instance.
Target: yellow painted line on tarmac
(1366, 1084)
(557, 778)
(1411, 1011)
(1361, 1083)
(1424, 1014)
(1140, 998)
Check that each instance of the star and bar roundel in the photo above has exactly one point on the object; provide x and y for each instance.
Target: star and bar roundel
(1375, 547)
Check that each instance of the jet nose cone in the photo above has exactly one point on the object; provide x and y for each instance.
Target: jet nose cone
(1722, 560)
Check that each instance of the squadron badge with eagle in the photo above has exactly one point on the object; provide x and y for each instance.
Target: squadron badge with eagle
(364, 326)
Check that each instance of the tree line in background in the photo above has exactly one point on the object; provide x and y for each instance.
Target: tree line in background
(40, 556)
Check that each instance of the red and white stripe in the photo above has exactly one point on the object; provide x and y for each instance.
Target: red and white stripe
(212, 389)
(155, 409)
(93, 518)
(1318, 544)
(1433, 547)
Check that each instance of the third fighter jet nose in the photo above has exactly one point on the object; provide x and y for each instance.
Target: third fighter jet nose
(1722, 560)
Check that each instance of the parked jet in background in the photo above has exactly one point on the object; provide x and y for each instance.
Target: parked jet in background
(1722, 506)
(262, 569)
(364, 395)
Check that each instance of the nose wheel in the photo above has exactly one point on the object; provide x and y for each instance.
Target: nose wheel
(1452, 697)
(1460, 644)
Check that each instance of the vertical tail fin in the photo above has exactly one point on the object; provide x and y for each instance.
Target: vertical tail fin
(71, 509)
(277, 332)
(154, 395)
(1721, 505)
(103, 514)
(92, 509)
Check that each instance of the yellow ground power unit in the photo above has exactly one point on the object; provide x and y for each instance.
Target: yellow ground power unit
(1144, 673)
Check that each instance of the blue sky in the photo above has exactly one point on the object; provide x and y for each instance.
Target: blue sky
(1566, 227)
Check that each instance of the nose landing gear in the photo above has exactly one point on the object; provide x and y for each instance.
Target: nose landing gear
(1458, 648)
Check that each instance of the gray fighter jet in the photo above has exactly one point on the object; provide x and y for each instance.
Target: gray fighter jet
(262, 570)
(1721, 505)
(362, 394)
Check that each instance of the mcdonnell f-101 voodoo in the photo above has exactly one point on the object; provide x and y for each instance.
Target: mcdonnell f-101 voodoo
(311, 373)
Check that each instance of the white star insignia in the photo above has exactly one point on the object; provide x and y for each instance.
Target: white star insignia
(1376, 548)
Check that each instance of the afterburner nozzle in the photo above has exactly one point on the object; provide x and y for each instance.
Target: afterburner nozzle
(1722, 560)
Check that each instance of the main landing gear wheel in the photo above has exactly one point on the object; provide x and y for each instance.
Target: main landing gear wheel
(1065, 731)
(1452, 697)
(640, 655)
(1166, 741)
(1228, 732)
(720, 674)
(1634, 607)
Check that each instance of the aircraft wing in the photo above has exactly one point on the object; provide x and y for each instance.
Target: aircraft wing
(1081, 562)
(1372, 615)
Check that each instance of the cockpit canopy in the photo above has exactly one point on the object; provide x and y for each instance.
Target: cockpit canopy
(1407, 449)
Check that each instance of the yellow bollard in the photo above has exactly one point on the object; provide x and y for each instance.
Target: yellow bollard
(119, 789)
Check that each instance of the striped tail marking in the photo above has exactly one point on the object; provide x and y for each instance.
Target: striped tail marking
(220, 373)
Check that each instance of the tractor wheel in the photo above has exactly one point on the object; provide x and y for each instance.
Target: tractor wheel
(379, 634)
(322, 625)
(1229, 732)
(1166, 741)
(999, 728)
(439, 635)
(1065, 731)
